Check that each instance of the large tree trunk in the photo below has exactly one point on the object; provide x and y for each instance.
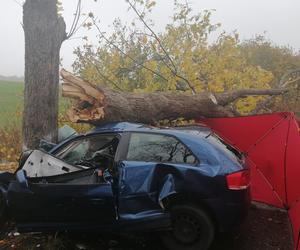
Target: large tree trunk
(99, 104)
(44, 33)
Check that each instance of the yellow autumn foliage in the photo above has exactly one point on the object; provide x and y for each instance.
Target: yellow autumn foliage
(133, 59)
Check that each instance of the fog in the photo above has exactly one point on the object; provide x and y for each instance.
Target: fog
(279, 19)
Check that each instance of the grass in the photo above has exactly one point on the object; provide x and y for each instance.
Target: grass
(11, 102)
(11, 107)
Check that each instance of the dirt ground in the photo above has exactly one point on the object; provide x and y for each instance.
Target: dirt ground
(264, 229)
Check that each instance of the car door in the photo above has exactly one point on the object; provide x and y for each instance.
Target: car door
(67, 198)
(62, 203)
(147, 170)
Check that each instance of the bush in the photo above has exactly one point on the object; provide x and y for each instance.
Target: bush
(10, 143)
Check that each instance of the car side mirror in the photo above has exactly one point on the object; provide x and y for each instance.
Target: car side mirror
(21, 178)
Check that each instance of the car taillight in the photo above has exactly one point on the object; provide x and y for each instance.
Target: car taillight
(238, 180)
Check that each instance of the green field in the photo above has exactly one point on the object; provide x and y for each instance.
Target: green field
(11, 101)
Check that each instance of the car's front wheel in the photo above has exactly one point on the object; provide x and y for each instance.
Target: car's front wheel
(192, 229)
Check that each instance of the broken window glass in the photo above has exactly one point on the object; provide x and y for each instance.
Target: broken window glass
(87, 150)
(94, 152)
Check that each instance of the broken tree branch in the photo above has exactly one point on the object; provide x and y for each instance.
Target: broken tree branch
(229, 97)
(100, 104)
(286, 80)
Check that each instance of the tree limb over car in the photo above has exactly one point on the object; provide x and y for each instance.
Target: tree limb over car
(96, 104)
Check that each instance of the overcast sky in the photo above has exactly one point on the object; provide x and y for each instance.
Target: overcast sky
(279, 18)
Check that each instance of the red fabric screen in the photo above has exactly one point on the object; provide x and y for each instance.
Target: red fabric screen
(271, 143)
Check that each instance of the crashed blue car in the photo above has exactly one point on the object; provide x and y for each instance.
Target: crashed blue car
(185, 182)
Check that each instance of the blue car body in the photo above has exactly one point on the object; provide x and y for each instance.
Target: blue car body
(136, 195)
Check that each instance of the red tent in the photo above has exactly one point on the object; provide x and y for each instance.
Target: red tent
(272, 145)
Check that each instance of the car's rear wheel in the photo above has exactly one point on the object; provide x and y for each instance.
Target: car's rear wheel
(192, 229)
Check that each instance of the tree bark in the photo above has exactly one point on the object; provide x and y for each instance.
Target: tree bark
(100, 104)
(44, 32)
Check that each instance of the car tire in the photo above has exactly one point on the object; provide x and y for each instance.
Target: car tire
(192, 229)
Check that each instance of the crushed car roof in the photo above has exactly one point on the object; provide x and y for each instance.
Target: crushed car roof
(119, 126)
(194, 137)
(138, 127)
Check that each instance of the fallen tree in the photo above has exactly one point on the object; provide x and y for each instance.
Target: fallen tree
(96, 104)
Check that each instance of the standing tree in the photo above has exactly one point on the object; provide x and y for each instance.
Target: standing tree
(45, 31)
